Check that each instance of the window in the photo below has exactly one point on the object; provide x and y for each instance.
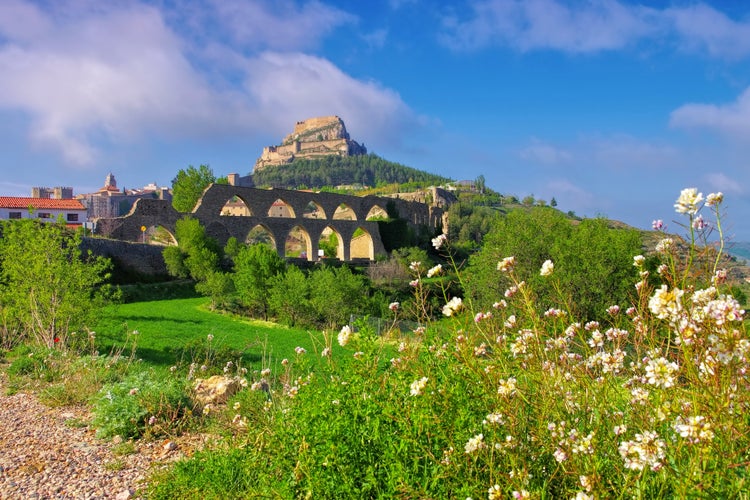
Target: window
(14, 215)
(44, 215)
(72, 217)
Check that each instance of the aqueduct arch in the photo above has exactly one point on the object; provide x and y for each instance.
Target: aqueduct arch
(234, 211)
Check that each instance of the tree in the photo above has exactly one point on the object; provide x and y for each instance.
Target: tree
(188, 186)
(336, 294)
(592, 261)
(199, 257)
(329, 245)
(48, 288)
(480, 184)
(196, 254)
(467, 224)
(598, 265)
(254, 267)
(289, 297)
(218, 285)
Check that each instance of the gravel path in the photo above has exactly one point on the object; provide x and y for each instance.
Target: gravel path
(50, 453)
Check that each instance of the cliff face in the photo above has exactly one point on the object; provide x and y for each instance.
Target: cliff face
(311, 138)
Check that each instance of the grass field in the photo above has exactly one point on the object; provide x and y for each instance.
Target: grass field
(167, 329)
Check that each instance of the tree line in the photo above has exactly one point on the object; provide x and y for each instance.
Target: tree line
(254, 280)
(49, 288)
(367, 170)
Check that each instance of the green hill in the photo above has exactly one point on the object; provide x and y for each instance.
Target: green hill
(330, 171)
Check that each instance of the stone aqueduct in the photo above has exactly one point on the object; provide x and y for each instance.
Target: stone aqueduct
(279, 213)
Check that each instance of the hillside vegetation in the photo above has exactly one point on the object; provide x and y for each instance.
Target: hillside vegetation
(524, 354)
(330, 171)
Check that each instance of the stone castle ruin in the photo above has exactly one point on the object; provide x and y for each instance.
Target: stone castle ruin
(312, 138)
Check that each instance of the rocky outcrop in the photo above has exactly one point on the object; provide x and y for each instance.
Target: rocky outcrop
(311, 138)
(215, 390)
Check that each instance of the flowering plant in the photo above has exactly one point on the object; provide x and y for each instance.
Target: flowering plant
(528, 400)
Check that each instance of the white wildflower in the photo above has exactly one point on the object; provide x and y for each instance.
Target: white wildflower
(344, 335)
(506, 265)
(439, 241)
(453, 306)
(435, 271)
(418, 386)
(474, 444)
(547, 268)
(688, 201)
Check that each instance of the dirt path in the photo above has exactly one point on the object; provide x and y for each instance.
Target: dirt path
(50, 453)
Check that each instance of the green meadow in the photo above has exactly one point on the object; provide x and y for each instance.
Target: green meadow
(169, 329)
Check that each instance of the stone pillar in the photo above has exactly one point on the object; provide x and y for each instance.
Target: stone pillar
(313, 246)
(347, 249)
(280, 245)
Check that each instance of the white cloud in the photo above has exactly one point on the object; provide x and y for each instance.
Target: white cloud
(21, 20)
(702, 27)
(546, 154)
(612, 152)
(732, 119)
(595, 25)
(376, 39)
(719, 181)
(88, 75)
(570, 196)
(397, 4)
(278, 24)
(116, 72)
(550, 24)
(290, 87)
(625, 152)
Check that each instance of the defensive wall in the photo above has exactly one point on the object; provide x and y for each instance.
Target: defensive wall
(296, 217)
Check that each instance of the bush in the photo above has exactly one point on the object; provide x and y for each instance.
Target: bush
(255, 266)
(48, 287)
(25, 366)
(593, 262)
(33, 366)
(141, 403)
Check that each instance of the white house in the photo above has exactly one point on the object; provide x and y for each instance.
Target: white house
(72, 211)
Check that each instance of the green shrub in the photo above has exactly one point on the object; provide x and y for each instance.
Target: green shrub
(594, 262)
(49, 288)
(32, 366)
(25, 366)
(142, 403)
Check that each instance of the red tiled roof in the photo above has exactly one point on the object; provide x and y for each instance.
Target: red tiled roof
(40, 203)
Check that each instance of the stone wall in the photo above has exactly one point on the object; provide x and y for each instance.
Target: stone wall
(130, 258)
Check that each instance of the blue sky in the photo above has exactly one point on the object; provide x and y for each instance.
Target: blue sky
(611, 107)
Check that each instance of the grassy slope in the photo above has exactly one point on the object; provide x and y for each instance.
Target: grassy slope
(167, 326)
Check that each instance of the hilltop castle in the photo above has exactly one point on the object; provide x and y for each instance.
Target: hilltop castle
(311, 138)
